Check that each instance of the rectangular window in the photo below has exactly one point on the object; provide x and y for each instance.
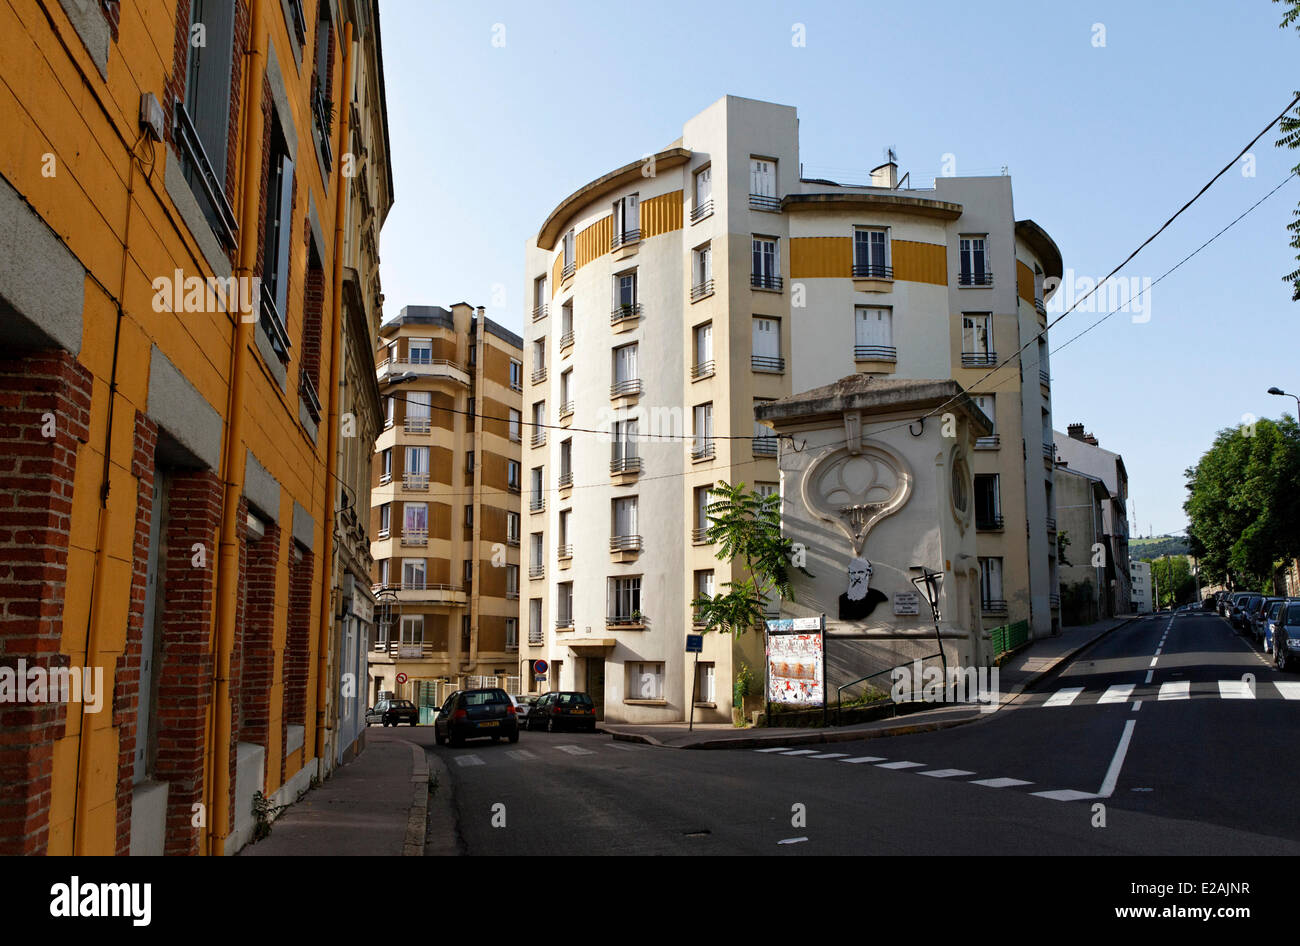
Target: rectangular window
(538, 500)
(512, 528)
(623, 434)
(419, 412)
(415, 520)
(624, 524)
(625, 292)
(625, 599)
(536, 552)
(385, 572)
(512, 581)
(762, 177)
(702, 265)
(627, 220)
(390, 410)
(765, 354)
(566, 392)
(539, 423)
(703, 497)
(568, 255)
(539, 359)
(512, 633)
(974, 262)
(564, 530)
(566, 324)
(277, 241)
(703, 350)
(203, 119)
(704, 689)
(515, 422)
(420, 351)
(516, 375)
(977, 339)
(535, 620)
(512, 474)
(385, 519)
(539, 297)
(991, 584)
(413, 574)
(703, 587)
(988, 502)
(564, 604)
(766, 272)
(386, 466)
(703, 434)
(627, 377)
(566, 462)
(703, 194)
(764, 437)
(645, 681)
(469, 517)
(871, 253)
(873, 334)
(469, 461)
(412, 628)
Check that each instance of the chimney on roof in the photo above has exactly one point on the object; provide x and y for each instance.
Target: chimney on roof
(886, 175)
(1076, 432)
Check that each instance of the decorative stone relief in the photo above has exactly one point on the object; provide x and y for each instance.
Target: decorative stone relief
(856, 489)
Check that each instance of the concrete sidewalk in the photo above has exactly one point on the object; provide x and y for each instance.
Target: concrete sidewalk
(1018, 673)
(374, 805)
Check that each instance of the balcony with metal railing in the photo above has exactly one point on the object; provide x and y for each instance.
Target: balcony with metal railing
(875, 353)
(702, 450)
(564, 553)
(197, 166)
(539, 436)
(872, 271)
(566, 479)
(566, 340)
(1044, 378)
(536, 504)
(320, 110)
(701, 210)
(770, 364)
(764, 203)
(539, 375)
(703, 369)
(979, 359)
(435, 368)
(416, 482)
(1049, 451)
(629, 387)
(991, 442)
(632, 620)
(988, 523)
(417, 425)
(700, 536)
(566, 410)
(993, 606)
(537, 570)
(541, 311)
(764, 446)
(415, 536)
(307, 391)
(766, 281)
(625, 543)
(1054, 601)
(625, 238)
(702, 290)
(624, 464)
(967, 278)
(568, 269)
(624, 312)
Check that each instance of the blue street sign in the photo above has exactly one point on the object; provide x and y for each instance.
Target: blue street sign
(694, 643)
(539, 667)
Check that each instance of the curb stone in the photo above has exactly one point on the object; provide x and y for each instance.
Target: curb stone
(441, 837)
(417, 818)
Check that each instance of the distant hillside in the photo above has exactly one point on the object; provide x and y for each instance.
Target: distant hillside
(1157, 546)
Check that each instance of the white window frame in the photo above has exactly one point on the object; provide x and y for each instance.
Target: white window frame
(645, 680)
(414, 573)
(871, 245)
(516, 425)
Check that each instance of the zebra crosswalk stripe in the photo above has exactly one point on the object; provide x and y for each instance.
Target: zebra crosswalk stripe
(1236, 690)
(1121, 693)
(1175, 690)
(1064, 697)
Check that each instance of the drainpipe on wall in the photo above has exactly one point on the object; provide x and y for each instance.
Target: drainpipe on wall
(217, 786)
(326, 633)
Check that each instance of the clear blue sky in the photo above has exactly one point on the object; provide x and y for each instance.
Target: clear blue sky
(1103, 144)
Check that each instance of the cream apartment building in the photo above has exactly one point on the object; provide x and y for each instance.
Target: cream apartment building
(445, 500)
(672, 295)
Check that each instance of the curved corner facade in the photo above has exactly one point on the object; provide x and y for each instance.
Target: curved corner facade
(669, 297)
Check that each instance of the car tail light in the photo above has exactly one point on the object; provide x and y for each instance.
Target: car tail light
(459, 714)
(510, 710)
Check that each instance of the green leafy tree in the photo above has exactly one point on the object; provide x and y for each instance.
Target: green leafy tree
(747, 530)
(1290, 138)
(1174, 581)
(1244, 502)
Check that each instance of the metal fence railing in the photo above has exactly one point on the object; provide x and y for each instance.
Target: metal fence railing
(1009, 637)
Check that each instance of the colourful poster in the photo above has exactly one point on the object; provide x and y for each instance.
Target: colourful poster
(795, 669)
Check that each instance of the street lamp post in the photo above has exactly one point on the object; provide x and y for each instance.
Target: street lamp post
(1280, 393)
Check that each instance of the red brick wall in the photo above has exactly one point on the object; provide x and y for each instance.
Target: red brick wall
(126, 678)
(313, 308)
(297, 649)
(184, 668)
(36, 479)
(257, 650)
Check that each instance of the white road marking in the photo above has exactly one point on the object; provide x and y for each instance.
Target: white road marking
(1063, 697)
(776, 749)
(1112, 774)
(900, 765)
(1137, 705)
(1158, 649)
(945, 773)
(575, 750)
(791, 840)
(1149, 674)
(1000, 782)
(1064, 794)
(1236, 690)
(1175, 690)
(1289, 689)
(1120, 693)
(468, 760)
(520, 754)
(1153, 661)
(829, 755)
(801, 752)
(625, 747)
(864, 758)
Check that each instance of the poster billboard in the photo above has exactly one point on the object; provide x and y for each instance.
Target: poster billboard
(796, 662)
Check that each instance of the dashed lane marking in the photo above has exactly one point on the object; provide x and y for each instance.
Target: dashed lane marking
(1000, 782)
(468, 760)
(900, 765)
(945, 773)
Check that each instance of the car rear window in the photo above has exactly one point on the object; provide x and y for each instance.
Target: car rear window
(402, 704)
(486, 696)
(575, 699)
